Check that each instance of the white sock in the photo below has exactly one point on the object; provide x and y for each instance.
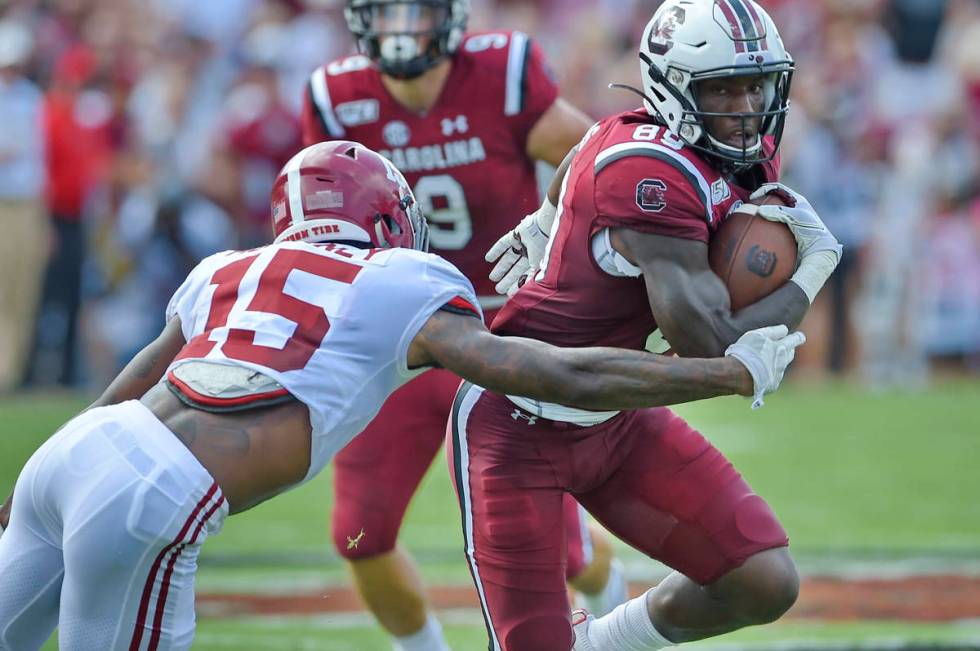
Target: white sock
(429, 638)
(628, 628)
(612, 594)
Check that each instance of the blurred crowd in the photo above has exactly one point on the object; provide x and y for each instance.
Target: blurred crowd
(137, 136)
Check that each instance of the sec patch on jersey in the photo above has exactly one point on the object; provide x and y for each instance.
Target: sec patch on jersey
(751, 255)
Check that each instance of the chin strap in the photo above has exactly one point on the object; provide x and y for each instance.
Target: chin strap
(746, 152)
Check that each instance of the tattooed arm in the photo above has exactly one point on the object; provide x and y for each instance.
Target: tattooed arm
(146, 368)
(691, 304)
(589, 378)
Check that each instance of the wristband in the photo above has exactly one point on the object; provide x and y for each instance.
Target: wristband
(756, 369)
(814, 271)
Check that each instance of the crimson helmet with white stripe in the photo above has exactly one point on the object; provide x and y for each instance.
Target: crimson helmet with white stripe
(688, 41)
(407, 37)
(342, 191)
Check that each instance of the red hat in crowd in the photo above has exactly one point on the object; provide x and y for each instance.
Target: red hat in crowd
(75, 66)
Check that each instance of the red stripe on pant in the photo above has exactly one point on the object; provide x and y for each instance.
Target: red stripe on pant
(165, 587)
(134, 645)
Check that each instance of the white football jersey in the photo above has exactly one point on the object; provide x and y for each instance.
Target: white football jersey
(331, 324)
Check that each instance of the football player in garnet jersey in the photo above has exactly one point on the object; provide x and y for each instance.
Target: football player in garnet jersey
(272, 360)
(627, 256)
(464, 117)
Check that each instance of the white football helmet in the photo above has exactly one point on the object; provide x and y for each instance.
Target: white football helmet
(407, 37)
(687, 41)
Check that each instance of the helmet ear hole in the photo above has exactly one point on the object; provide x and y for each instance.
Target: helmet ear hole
(392, 224)
(351, 152)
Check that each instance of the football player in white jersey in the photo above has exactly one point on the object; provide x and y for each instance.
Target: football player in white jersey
(272, 360)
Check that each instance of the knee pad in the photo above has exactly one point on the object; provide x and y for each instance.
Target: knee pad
(356, 537)
(543, 632)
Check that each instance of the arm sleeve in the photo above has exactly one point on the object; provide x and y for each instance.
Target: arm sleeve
(531, 86)
(651, 197)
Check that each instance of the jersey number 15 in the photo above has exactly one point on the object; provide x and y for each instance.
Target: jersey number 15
(270, 297)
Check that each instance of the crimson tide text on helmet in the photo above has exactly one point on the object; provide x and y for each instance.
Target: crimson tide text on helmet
(342, 191)
(407, 37)
(688, 41)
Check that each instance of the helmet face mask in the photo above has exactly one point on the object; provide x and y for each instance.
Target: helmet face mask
(685, 44)
(341, 191)
(407, 37)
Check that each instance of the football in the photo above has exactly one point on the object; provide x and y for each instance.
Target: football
(751, 255)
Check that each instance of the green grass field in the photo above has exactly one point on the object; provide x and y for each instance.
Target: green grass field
(856, 478)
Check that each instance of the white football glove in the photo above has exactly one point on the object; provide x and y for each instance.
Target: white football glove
(809, 230)
(819, 250)
(519, 252)
(766, 352)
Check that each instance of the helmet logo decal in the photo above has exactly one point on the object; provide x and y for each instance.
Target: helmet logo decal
(650, 195)
(662, 35)
(396, 133)
(325, 199)
(279, 212)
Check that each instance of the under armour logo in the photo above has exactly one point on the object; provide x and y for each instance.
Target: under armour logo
(518, 414)
(457, 125)
(353, 542)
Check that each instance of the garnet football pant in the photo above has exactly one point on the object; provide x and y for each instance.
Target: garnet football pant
(377, 473)
(108, 518)
(646, 475)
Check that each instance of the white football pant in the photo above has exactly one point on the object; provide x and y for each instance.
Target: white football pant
(108, 519)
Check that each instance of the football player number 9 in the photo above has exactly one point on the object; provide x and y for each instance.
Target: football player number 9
(442, 201)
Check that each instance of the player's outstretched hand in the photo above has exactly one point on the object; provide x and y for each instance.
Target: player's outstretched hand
(766, 352)
(519, 252)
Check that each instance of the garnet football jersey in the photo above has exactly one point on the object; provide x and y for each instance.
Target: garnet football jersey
(331, 324)
(629, 172)
(466, 157)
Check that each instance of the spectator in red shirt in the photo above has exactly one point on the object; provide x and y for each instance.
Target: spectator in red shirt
(76, 125)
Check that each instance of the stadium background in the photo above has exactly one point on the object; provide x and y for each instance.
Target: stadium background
(140, 136)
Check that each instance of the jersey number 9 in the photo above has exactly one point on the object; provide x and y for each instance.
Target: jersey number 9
(443, 202)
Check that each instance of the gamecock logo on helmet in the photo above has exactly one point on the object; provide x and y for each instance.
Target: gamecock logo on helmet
(662, 34)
